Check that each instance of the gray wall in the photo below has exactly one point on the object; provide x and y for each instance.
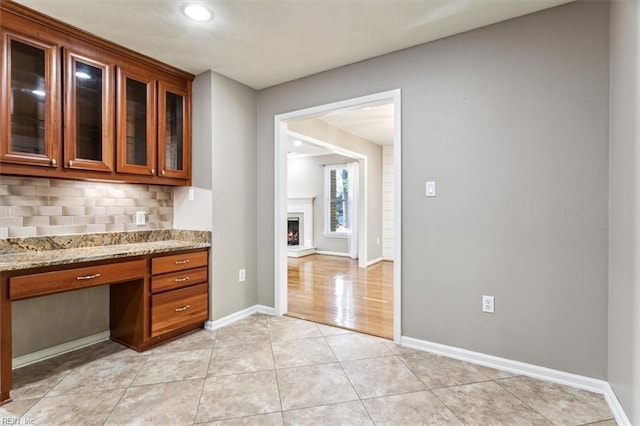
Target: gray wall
(511, 121)
(624, 213)
(305, 179)
(234, 195)
(224, 179)
(197, 214)
(43, 322)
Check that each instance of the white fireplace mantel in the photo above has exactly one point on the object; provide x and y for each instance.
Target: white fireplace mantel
(304, 206)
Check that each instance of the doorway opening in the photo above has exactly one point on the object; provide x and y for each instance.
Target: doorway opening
(348, 230)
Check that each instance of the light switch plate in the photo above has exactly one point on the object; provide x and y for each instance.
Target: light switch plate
(431, 189)
(141, 218)
(192, 194)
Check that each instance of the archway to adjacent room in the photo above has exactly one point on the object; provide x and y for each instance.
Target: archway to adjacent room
(351, 268)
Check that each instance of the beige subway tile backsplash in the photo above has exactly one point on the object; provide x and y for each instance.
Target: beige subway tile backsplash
(37, 206)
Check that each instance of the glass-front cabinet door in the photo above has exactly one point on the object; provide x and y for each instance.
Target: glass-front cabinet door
(30, 101)
(174, 109)
(136, 119)
(88, 118)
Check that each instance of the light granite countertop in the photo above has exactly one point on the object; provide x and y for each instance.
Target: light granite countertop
(27, 253)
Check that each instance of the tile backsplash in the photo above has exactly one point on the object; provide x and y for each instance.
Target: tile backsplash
(31, 207)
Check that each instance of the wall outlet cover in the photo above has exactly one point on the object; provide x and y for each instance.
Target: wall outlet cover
(488, 304)
(141, 218)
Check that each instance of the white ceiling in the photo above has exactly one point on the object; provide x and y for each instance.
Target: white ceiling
(266, 42)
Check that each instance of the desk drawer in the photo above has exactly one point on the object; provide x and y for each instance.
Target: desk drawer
(179, 262)
(24, 286)
(179, 308)
(178, 280)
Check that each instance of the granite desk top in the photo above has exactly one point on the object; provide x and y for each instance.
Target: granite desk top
(26, 253)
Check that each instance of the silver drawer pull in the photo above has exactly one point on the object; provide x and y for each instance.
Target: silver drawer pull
(184, 308)
(88, 277)
(181, 262)
(180, 280)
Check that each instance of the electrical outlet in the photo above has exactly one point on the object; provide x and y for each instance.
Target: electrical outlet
(141, 218)
(192, 194)
(242, 275)
(488, 304)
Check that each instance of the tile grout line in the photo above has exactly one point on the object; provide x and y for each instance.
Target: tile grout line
(275, 371)
(206, 376)
(496, 381)
(348, 379)
(446, 406)
(125, 390)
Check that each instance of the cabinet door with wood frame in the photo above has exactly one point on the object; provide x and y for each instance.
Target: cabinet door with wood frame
(136, 122)
(30, 101)
(174, 130)
(88, 113)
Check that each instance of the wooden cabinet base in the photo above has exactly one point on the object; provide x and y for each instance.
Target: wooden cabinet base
(167, 337)
(137, 318)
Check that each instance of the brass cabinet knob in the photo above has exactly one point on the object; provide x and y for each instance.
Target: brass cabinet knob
(153, 171)
(54, 163)
(162, 173)
(70, 163)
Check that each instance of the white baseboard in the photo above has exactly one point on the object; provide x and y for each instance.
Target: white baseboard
(616, 407)
(237, 316)
(374, 261)
(24, 360)
(266, 310)
(333, 253)
(517, 367)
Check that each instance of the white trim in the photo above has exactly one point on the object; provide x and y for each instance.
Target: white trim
(33, 357)
(237, 316)
(332, 253)
(342, 235)
(280, 195)
(616, 407)
(538, 372)
(523, 368)
(397, 216)
(374, 261)
(265, 310)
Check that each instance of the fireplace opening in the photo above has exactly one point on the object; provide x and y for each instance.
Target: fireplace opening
(293, 231)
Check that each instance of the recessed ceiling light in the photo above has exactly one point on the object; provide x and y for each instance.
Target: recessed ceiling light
(297, 143)
(38, 92)
(83, 75)
(197, 12)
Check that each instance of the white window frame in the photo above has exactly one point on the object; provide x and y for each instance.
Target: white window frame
(327, 201)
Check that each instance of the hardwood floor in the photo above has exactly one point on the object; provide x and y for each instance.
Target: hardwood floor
(335, 291)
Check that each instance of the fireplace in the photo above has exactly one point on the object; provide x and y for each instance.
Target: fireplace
(293, 231)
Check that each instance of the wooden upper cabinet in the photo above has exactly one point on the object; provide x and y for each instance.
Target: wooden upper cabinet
(88, 113)
(30, 102)
(75, 106)
(174, 131)
(136, 122)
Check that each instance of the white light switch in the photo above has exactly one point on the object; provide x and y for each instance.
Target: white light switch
(192, 194)
(431, 189)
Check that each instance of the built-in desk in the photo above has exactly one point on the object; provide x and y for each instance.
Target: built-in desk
(158, 289)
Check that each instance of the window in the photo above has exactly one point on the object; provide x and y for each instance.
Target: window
(337, 200)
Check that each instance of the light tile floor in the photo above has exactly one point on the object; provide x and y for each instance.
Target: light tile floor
(278, 370)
